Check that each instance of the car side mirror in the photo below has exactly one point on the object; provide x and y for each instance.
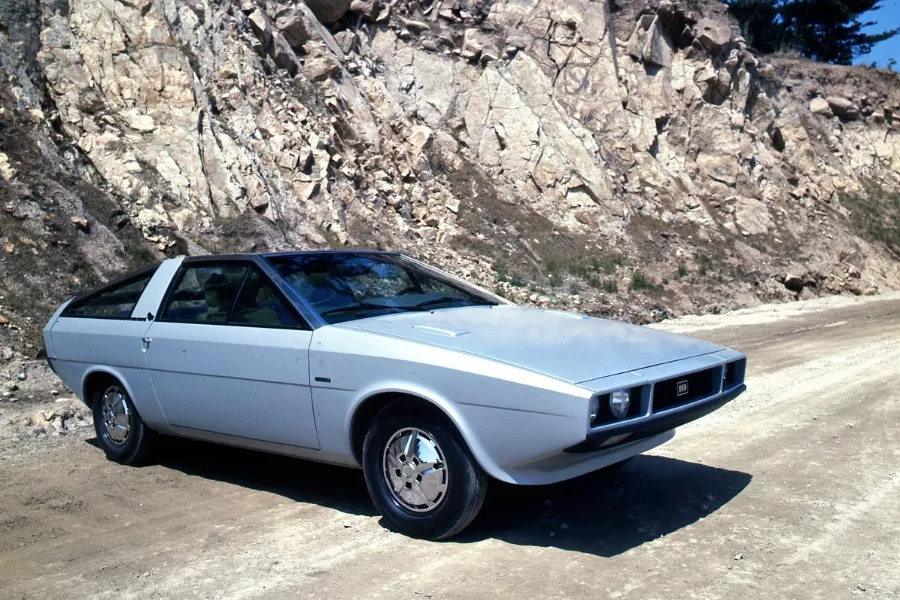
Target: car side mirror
(149, 316)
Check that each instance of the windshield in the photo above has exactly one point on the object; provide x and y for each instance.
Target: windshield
(349, 286)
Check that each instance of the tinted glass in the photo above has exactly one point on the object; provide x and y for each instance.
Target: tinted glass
(347, 286)
(205, 294)
(115, 303)
(259, 304)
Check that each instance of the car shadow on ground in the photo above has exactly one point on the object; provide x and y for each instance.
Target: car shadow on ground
(604, 513)
(339, 488)
(610, 511)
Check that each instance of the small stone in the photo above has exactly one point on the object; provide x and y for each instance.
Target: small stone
(860, 587)
(81, 223)
(348, 524)
(415, 26)
(4, 320)
(22, 376)
(739, 556)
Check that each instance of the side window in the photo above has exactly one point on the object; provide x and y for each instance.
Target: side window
(259, 304)
(204, 294)
(115, 303)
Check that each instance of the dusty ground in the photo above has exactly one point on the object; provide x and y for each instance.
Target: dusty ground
(790, 492)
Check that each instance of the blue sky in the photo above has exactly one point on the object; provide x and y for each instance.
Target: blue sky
(887, 17)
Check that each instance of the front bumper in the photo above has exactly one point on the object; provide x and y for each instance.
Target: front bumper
(655, 424)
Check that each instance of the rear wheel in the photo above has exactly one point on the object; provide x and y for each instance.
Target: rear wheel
(420, 473)
(122, 434)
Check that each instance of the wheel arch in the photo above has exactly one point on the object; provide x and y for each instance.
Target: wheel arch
(95, 375)
(370, 405)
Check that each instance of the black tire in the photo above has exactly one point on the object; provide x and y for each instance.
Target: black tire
(466, 481)
(137, 446)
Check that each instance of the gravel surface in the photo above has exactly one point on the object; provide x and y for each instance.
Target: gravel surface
(789, 492)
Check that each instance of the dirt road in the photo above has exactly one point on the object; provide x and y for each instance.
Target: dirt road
(792, 491)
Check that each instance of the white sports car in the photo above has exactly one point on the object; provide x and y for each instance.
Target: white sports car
(430, 384)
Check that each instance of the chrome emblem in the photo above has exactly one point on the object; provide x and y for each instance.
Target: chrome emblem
(681, 388)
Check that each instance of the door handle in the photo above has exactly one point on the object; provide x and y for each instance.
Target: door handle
(145, 343)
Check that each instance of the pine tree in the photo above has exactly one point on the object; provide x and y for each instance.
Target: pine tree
(823, 30)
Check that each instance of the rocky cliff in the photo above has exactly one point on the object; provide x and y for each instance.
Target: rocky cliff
(626, 158)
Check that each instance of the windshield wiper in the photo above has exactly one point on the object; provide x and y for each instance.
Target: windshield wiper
(443, 299)
(360, 306)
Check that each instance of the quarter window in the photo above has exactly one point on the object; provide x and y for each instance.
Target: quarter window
(115, 303)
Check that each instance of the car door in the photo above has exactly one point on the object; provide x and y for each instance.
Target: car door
(228, 354)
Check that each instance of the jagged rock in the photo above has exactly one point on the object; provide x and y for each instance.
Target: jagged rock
(346, 41)
(820, 106)
(295, 28)
(418, 138)
(752, 216)
(843, 107)
(283, 55)
(328, 11)
(714, 36)
(471, 49)
(320, 68)
(262, 29)
(368, 9)
(657, 49)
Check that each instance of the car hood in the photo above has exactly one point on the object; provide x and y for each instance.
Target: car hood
(568, 346)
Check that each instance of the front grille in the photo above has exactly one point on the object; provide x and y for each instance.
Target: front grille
(685, 388)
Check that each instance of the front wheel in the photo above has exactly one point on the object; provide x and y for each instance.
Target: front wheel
(122, 434)
(420, 473)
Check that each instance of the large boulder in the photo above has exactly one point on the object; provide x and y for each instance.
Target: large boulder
(714, 35)
(819, 106)
(843, 107)
(329, 11)
(295, 27)
(752, 216)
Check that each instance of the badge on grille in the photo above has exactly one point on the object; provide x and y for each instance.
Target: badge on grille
(681, 388)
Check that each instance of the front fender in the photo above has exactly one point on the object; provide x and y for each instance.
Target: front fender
(442, 403)
(507, 416)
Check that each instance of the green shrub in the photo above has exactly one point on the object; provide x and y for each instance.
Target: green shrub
(640, 282)
(875, 216)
